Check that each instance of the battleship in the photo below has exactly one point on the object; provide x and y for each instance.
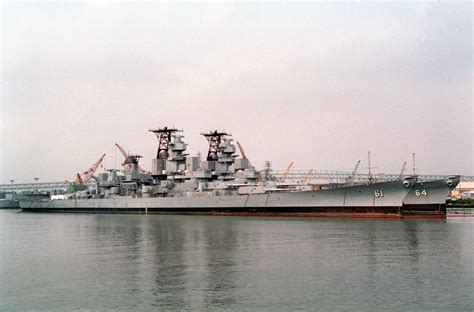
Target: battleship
(224, 183)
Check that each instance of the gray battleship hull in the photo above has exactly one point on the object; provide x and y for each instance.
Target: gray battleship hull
(385, 199)
(429, 197)
(225, 184)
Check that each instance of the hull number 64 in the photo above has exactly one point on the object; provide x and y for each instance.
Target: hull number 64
(419, 193)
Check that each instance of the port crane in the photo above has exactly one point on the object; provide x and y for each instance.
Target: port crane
(287, 171)
(305, 178)
(88, 174)
(353, 173)
(79, 179)
(400, 176)
(355, 169)
(127, 156)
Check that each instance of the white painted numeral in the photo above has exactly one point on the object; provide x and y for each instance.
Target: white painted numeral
(378, 193)
(419, 193)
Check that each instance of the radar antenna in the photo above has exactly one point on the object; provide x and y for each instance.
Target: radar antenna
(164, 139)
(214, 138)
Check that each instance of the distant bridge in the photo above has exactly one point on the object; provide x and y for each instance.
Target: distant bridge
(52, 187)
(331, 176)
(335, 176)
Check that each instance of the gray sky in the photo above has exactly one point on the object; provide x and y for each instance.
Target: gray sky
(315, 83)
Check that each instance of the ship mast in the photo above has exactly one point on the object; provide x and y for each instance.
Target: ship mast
(369, 167)
(164, 139)
(214, 138)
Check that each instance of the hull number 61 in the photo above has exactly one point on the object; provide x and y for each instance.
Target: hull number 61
(378, 193)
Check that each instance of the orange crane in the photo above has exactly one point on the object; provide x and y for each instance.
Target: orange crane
(305, 179)
(244, 156)
(124, 153)
(126, 156)
(87, 175)
(78, 179)
(350, 179)
(287, 171)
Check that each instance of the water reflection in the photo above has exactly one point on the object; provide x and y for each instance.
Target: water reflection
(117, 241)
(220, 243)
(198, 263)
(169, 238)
(193, 263)
(411, 231)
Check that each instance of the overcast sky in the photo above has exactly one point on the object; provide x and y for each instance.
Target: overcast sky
(319, 84)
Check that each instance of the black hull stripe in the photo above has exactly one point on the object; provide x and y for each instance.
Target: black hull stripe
(415, 210)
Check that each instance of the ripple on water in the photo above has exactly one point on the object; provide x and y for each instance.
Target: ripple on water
(86, 261)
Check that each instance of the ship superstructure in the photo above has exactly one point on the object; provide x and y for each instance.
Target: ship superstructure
(225, 183)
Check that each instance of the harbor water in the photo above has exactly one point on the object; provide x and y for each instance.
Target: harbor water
(130, 262)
